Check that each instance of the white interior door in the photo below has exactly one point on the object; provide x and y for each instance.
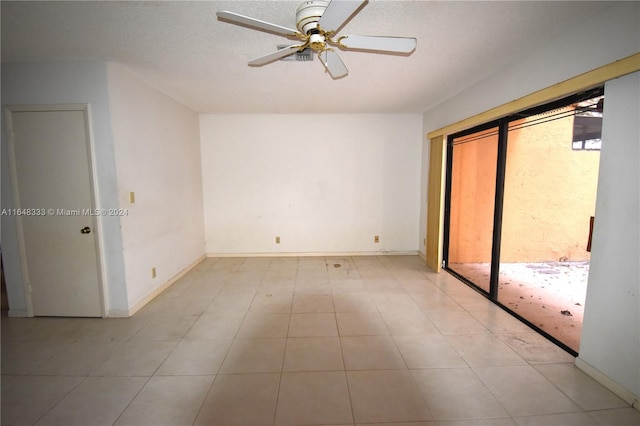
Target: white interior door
(54, 194)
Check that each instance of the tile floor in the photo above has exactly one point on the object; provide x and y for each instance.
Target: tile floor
(542, 293)
(298, 341)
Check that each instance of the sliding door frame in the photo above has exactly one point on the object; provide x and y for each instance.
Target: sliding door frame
(502, 125)
(447, 197)
(435, 212)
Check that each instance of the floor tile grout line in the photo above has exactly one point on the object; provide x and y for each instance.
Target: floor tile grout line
(346, 378)
(280, 374)
(557, 387)
(134, 397)
(413, 380)
(275, 407)
(59, 400)
(206, 394)
(475, 373)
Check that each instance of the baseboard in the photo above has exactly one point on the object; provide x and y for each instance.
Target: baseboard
(156, 292)
(317, 254)
(17, 313)
(116, 313)
(604, 380)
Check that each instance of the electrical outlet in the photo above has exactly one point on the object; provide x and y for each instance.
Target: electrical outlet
(376, 239)
(277, 240)
(153, 272)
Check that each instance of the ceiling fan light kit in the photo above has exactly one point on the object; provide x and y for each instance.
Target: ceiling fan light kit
(317, 22)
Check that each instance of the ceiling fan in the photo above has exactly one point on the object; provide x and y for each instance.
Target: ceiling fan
(317, 22)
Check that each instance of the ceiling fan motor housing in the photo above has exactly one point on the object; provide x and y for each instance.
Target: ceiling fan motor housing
(308, 14)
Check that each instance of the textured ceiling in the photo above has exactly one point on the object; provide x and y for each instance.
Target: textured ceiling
(181, 48)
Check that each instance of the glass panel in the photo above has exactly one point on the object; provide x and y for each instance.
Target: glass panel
(549, 198)
(473, 184)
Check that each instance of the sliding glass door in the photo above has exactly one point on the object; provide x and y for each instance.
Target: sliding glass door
(471, 204)
(519, 200)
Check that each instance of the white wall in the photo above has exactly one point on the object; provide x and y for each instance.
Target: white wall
(59, 83)
(323, 183)
(144, 142)
(157, 155)
(611, 328)
(609, 36)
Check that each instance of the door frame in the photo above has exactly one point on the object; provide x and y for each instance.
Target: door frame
(93, 178)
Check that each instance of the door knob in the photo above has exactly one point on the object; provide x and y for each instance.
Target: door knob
(85, 230)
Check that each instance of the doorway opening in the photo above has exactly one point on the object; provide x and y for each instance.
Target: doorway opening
(520, 198)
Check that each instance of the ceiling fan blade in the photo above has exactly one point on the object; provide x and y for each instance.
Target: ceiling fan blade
(337, 13)
(385, 44)
(281, 53)
(333, 64)
(235, 18)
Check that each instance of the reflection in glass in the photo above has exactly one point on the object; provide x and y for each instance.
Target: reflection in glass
(473, 183)
(549, 198)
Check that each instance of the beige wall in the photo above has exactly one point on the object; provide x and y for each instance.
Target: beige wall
(550, 193)
(473, 184)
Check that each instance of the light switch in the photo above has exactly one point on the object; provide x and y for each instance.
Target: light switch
(132, 197)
